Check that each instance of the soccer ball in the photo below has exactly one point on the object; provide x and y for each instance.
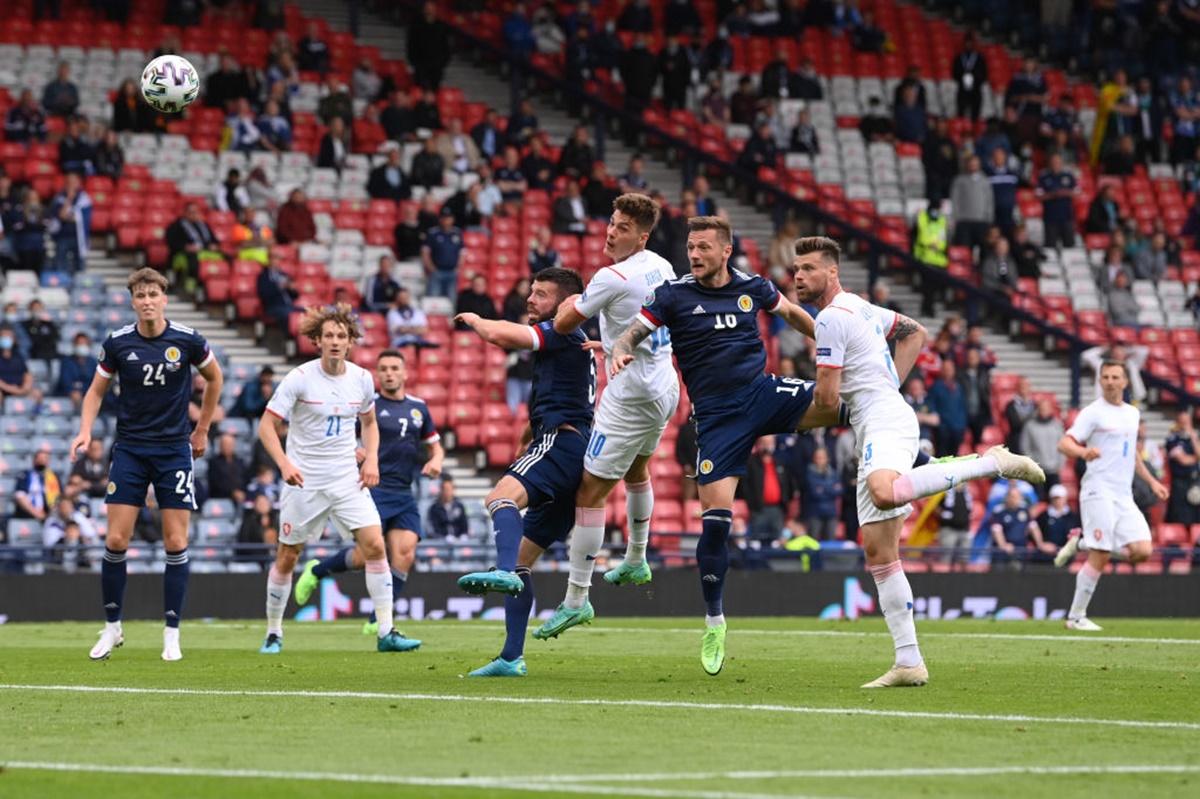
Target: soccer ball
(170, 83)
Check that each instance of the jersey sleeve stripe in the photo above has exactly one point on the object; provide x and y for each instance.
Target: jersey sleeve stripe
(536, 336)
(100, 370)
(207, 360)
(892, 329)
(775, 305)
(370, 408)
(829, 366)
(276, 414)
(649, 319)
(579, 310)
(432, 438)
(617, 272)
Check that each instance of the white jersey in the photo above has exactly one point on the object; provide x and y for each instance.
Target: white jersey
(618, 293)
(1112, 429)
(321, 410)
(852, 336)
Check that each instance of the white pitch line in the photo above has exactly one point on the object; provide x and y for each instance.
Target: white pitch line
(648, 703)
(481, 783)
(1103, 639)
(882, 773)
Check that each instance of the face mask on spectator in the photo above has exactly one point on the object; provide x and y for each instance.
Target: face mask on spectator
(6, 343)
(82, 350)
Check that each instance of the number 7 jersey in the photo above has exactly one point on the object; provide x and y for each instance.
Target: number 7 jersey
(321, 410)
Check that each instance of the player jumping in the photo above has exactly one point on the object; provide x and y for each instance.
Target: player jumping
(713, 318)
(321, 400)
(406, 436)
(1105, 435)
(633, 411)
(855, 365)
(153, 359)
(545, 477)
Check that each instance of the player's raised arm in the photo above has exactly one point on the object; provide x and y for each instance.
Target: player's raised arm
(214, 380)
(796, 317)
(509, 335)
(568, 319)
(624, 347)
(909, 336)
(88, 410)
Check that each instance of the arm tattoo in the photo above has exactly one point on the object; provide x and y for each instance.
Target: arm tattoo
(903, 328)
(630, 339)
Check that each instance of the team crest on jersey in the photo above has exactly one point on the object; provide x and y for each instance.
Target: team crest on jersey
(172, 354)
(706, 466)
(112, 487)
(417, 416)
(745, 304)
(649, 300)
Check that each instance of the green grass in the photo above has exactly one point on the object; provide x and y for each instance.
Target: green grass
(424, 743)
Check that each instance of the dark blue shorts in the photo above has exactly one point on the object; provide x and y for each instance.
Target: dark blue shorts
(132, 468)
(550, 471)
(770, 405)
(397, 510)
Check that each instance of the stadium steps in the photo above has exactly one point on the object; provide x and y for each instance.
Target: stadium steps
(240, 349)
(480, 84)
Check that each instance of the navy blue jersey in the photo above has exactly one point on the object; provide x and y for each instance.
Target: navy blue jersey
(405, 427)
(156, 381)
(564, 380)
(714, 333)
(1014, 524)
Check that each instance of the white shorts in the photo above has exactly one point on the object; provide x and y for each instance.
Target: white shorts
(890, 444)
(624, 430)
(1110, 523)
(304, 512)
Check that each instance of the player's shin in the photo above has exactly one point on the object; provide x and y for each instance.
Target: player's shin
(1085, 585)
(379, 588)
(175, 580)
(639, 502)
(338, 562)
(516, 617)
(586, 540)
(712, 558)
(896, 602)
(112, 584)
(506, 522)
(279, 585)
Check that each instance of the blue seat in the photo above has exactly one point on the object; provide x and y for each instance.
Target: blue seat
(219, 509)
(16, 425)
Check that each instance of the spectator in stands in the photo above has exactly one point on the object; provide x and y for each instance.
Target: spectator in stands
(1039, 440)
(998, 271)
(252, 238)
(1013, 528)
(25, 121)
(1150, 263)
(806, 83)
(1057, 188)
(274, 128)
(276, 294)
(537, 168)
(1123, 159)
(231, 195)
(110, 157)
(762, 488)
(706, 205)
(241, 129)
(335, 102)
(1004, 181)
(255, 395)
(760, 151)
(577, 155)
(636, 17)
(548, 37)
(428, 48)
(1018, 412)
(260, 525)
(1058, 521)
(60, 98)
(229, 83)
(365, 82)
(975, 380)
(69, 221)
(76, 150)
(973, 202)
(28, 232)
(441, 255)
(974, 341)
(37, 488)
(335, 146)
(776, 80)
(1184, 107)
(388, 182)
(869, 37)
(939, 155)
(295, 223)
(930, 247)
(822, 489)
(1183, 466)
(916, 395)
(1025, 254)
(1104, 215)
(488, 137)
(1114, 264)
(262, 193)
(510, 179)
(948, 401)
(542, 255)
(426, 112)
(517, 31)
(457, 149)
(599, 193)
(447, 517)
(680, 17)
(407, 323)
(1122, 305)
(876, 125)
(43, 335)
(881, 295)
(970, 70)
(398, 120)
(1027, 92)
(266, 478)
(522, 125)
(75, 371)
(954, 531)
(89, 475)
(129, 111)
(580, 61)
(464, 205)
(283, 70)
(912, 77)
(427, 166)
(190, 240)
(408, 234)
(803, 138)
(63, 532)
(226, 472)
(312, 53)
(639, 72)
(743, 103)
(475, 300)
(570, 212)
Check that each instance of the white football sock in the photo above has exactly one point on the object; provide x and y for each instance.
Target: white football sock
(639, 504)
(896, 601)
(933, 478)
(379, 587)
(278, 588)
(586, 539)
(1085, 586)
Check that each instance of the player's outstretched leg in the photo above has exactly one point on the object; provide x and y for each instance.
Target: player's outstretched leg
(508, 529)
(639, 504)
(112, 590)
(712, 558)
(317, 570)
(1068, 552)
(279, 585)
(934, 477)
(511, 662)
(586, 539)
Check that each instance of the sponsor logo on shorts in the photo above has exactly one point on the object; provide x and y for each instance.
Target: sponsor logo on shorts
(745, 304)
(706, 466)
(112, 487)
(287, 528)
(1097, 534)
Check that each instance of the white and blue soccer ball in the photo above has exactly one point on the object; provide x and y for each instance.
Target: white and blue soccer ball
(170, 83)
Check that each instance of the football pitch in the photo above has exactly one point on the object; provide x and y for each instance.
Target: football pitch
(620, 708)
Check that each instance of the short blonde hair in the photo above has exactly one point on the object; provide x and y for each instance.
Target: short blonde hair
(700, 223)
(315, 318)
(147, 276)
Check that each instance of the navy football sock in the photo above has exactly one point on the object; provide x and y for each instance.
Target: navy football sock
(112, 583)
(506, 521)
(334, 564)
(712, 556)
(398, 581)
(175, 580)
(516, 617)
(922, 458)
